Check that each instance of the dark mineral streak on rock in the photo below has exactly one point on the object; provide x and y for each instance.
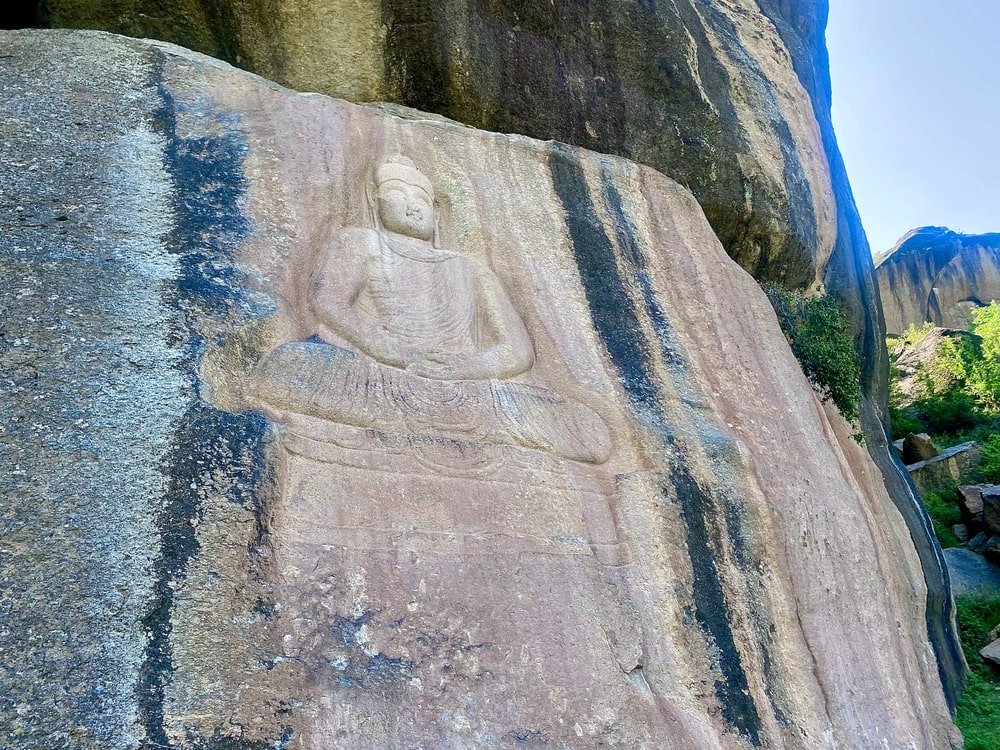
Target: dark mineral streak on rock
(720, 449)
(616, 321)
(211, 449)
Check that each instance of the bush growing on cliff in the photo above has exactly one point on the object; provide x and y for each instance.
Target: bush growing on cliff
(820, 339)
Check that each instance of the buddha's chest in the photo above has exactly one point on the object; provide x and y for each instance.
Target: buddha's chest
(420, 296)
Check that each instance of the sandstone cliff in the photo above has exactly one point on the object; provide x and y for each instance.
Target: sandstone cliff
(939, 276)
(727, 98)
(731, 98)
(332, 427)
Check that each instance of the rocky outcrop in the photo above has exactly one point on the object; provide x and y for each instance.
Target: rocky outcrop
(345, 428)
(936, 275)
(732, 100)
(949, 467)
(980, 506)
(971, 574)
(717, 95)
(919, 366)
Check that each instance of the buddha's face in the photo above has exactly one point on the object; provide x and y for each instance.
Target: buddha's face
(406, 209)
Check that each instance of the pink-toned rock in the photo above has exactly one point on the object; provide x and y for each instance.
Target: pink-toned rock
(454, 440)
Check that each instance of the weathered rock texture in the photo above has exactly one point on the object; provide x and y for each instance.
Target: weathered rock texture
(710, 93)
(953, 465)
(939, 276)
(731, 98)
(231, 522)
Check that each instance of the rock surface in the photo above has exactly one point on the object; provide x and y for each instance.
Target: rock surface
(731, 99)
(991, 653)
(704, 92)
(936, 275)
(261, 531)
(919, 365)
(948, 468)
(918, 448)
(970, 573)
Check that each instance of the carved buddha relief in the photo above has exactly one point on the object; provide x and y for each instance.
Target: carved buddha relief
(434, 339)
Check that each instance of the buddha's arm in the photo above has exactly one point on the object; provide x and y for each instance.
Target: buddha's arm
(511, 352)
(337, 284)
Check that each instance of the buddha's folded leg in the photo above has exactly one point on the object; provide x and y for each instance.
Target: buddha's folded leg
(325, 381)
(538, 418)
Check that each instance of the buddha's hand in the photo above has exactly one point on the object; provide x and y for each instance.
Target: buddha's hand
(440, 365)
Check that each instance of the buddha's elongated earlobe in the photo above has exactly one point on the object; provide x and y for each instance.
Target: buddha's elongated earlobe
(436, 241)
(372, 208)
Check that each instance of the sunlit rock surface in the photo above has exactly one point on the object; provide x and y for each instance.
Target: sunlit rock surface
(731, 99)
(536, 468)
(718, 95)
(939, 276)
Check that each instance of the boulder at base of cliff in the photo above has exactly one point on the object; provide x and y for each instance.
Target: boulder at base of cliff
(338, 428)
(918, 448)
(948, 468)
(971, 574)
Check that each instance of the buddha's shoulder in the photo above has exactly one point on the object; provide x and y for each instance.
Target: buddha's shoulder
(359, 236)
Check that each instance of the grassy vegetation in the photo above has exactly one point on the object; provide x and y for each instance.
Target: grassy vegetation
(966, 407)
(942, 506)
(978, 714)
(958, 394)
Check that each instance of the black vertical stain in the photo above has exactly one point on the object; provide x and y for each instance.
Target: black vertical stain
(617, 324)
(211, 451)
(720, 449)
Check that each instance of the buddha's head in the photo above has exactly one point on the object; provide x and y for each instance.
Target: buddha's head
(404, 199)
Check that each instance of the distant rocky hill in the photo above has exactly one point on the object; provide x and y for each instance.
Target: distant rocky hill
(936, 275)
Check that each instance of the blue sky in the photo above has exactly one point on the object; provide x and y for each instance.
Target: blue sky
(916, 106)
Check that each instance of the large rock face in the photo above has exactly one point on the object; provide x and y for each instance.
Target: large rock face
(729, 98)
(310, 445)
(708, 93)
(939, 276)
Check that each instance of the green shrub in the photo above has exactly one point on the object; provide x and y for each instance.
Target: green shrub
(978, 711)
(911, 336)
(990, 466)
(820, 339)
(942, 507)
(948, 412)
(904, 421)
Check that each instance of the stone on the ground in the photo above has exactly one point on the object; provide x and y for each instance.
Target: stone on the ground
(951, 466)
(918, 448)
(978, 542)
(991, 508)
(970, 573)
(970, 501)
(991, 653)
(991, 550)
(961, 532)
